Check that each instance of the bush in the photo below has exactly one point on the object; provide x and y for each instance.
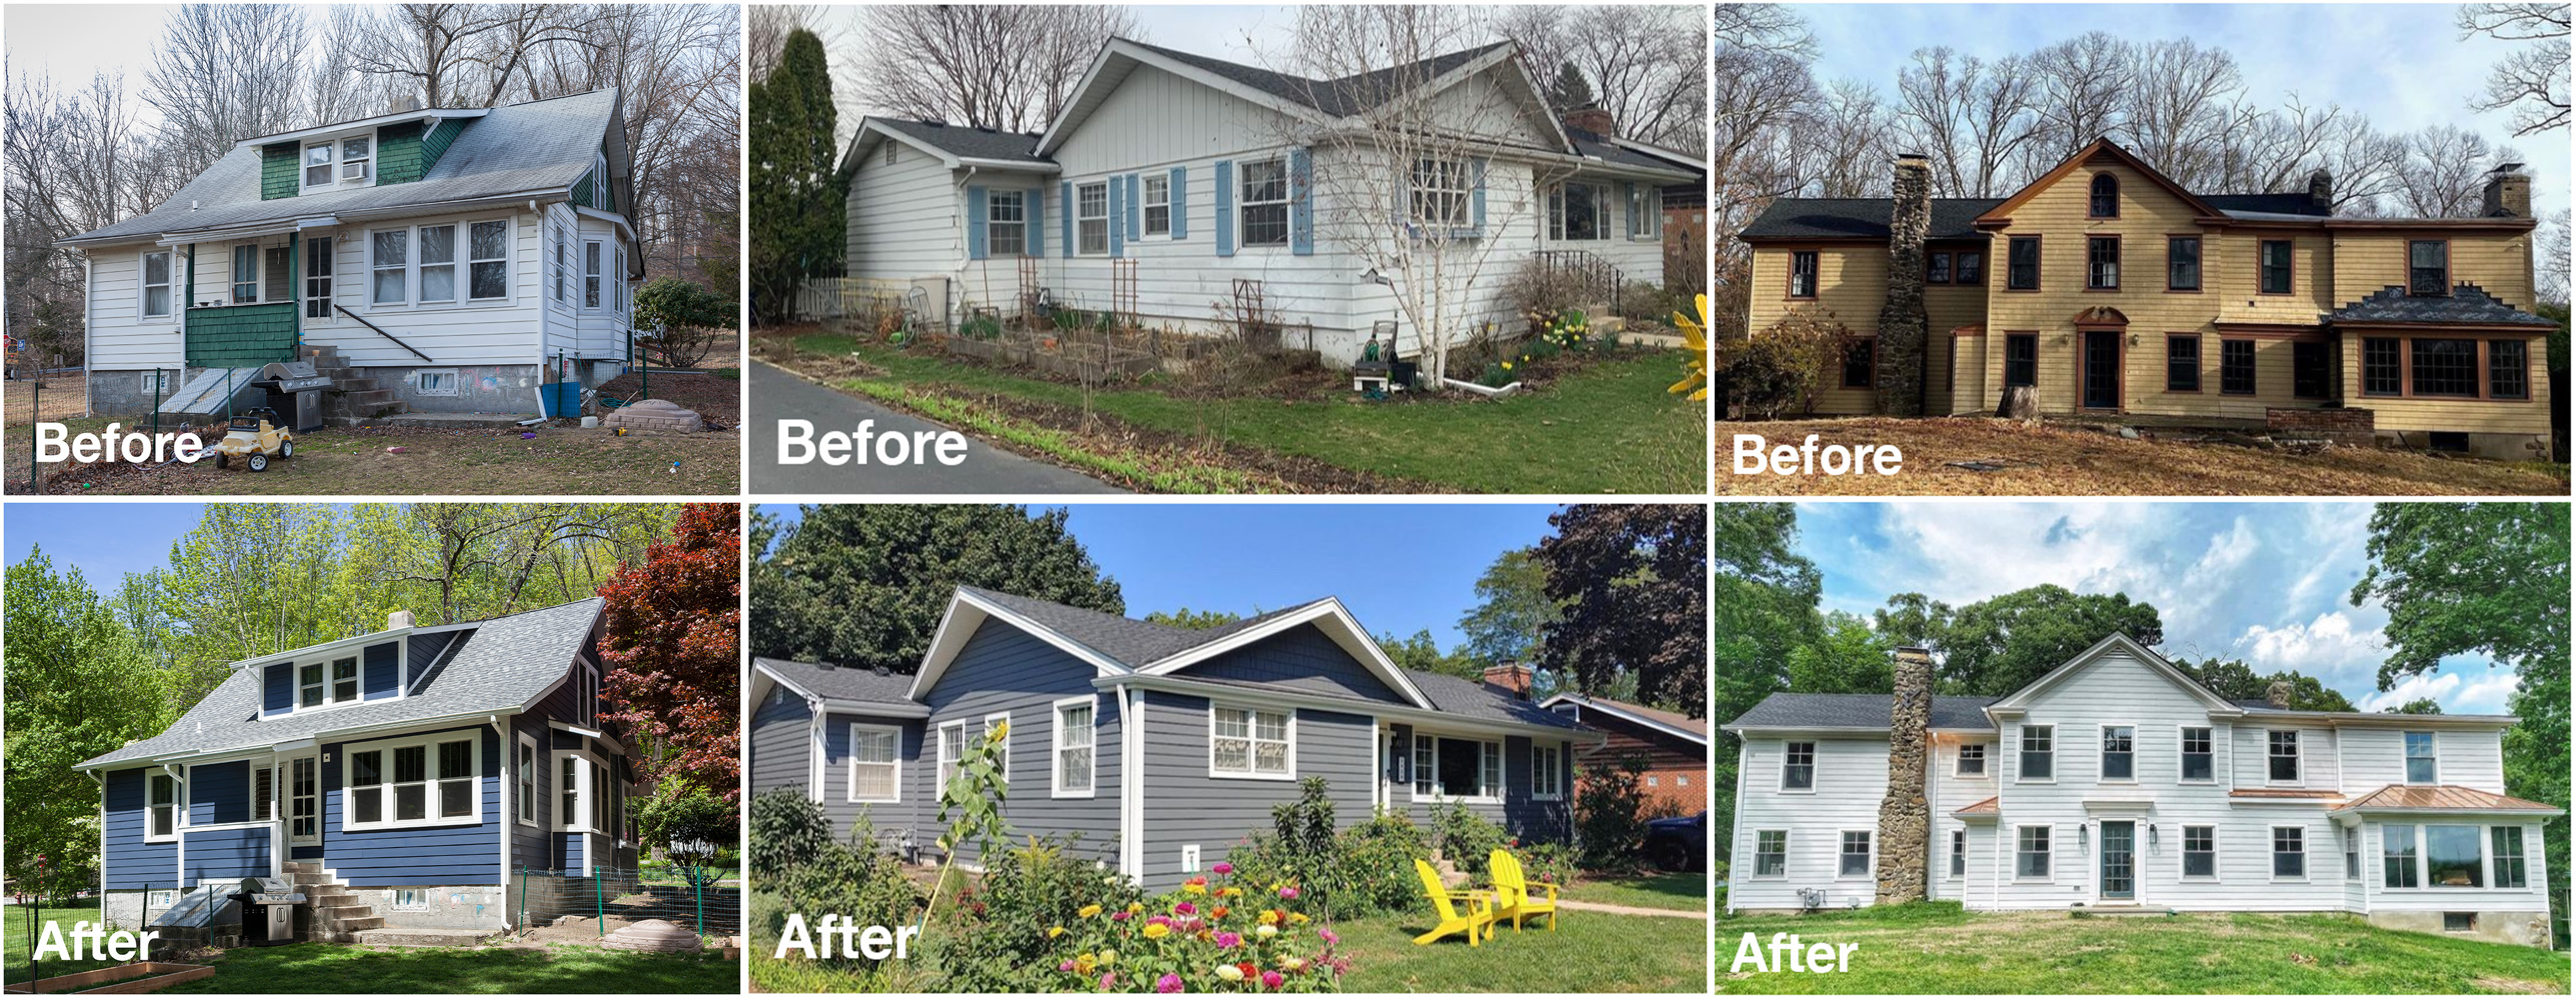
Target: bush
(1547, 863)
(1610, 816)
(788, 830)
(1780, 368)
(1466, 839)
(682, 812)
(1227, 931)
(854, 880)
(687, 316)
(998, 937)
(1641, 302)
(1361, 870)
(1535, 288)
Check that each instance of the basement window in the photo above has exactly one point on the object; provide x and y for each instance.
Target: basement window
(2459, 921)
(411, 899)
(437, 382)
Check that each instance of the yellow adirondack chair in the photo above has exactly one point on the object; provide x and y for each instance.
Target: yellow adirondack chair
(1512, 897)
(1479, 919)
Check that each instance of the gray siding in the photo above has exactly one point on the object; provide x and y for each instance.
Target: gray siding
(912, 817)
(1303, 659)
(780, 737)
(1186, 806)
(529, 846)
(1518, 810)
(1004, 669)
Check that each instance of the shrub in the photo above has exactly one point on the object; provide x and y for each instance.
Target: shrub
(1361, 870)
(1610, 815)
(687, 316)
(854, 880)
(1000, 938)
(1535, 288)
(1642, 302)
(1547, 863)
(683, 813)
(1780, 368)
(1466, 839)
(788, 830)
(1227, 931)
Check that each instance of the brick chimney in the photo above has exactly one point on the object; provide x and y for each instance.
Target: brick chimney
(2508, 193)
(1594, 119)
(403, 103)
(1902, 327)
(1510, 677)
(2277, 694)
(398, 620)
(1904, 816)
(2321, 191)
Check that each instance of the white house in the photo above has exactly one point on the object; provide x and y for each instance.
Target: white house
(2117, 782)
(1171, 180)
(452, 258)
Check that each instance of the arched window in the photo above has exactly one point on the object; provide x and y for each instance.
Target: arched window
(2106, 197)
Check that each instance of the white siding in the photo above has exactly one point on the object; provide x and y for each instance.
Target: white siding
(903, 219)
(117, 340)
(2251, 746)
(465, 333)
(1851, 779)
(2534, 897)
(1155, 118)
(1947, 793)
(2374, 758)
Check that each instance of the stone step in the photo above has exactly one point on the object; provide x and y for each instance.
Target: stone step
(354, 924)
(353, 384)
(422, 937)
(366, 396)
(301, 877)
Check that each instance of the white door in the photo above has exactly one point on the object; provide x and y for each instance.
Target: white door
(303, 780)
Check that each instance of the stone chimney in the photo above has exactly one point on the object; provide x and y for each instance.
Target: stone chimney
(2508, 193)
(2277, 694)
(398, 620)
(1596, 120)
(402, 103)
(1905, 817)
(1902, 328)
(2321, 191)
(1510, 677)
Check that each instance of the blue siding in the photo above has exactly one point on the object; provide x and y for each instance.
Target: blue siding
(1303, 659)
(383, 672)
(447, 855)
(1002, 668)
(568, 851)
(529, 846)
(218, 793)
(227, 855)
(423, 651)
(276, 689)
(128, 862)
(1186, 806)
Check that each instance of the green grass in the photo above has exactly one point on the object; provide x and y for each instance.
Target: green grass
(317, 968)
(1674, 891)
(1590, 952)
(1936, 948)
(20, 940)
(1608, 428)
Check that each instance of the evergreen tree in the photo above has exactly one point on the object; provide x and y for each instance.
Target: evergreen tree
(864, 585)
(1569, 90)
(796, 186)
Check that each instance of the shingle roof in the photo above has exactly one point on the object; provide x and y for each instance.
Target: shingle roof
(504, 664)
(2292, 204)
(1471, 699)
(967, 141)
(1346, 95)
(1600, 147)
(1132, 643)
(2466, 303)
(516, 148)
(1667, 718)
(1990, 805)
(2442, 798)
(843, 683)
(1865, 218)
(1858, 710)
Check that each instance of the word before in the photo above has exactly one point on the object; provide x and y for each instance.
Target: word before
(797, 444)
(1821, 958)
(1755, 456)
(54, 444)
(98, 943)
(873, 942)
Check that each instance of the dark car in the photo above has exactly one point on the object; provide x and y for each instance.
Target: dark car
(1678, 845)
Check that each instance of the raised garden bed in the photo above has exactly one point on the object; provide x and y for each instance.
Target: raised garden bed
(129, 979)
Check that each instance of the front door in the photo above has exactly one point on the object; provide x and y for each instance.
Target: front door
(2101, 369)
(2119, 861)
(303, 800)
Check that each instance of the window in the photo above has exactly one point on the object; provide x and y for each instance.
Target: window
(418, 781)
(456, 785)
(308, 681)
(2419, 757)
(562, 260)
(1439, 193)
(2283, 756)
(1855, 855)
(2182, 362)
(1250, 743)
(2105, 200)
(435, 382)
(2021, 264)
(438, 263)
(317, 164)
(2102, 263)
(1972, 267)
(2428, 267)
(245, 274)
(2508, 369)
(1074, 735)
(411, 899)
(166, 803)
(2038, 752)
(1802, 274)
(2030, 853)
(1426, 762)
(2275, 264)
(1006, 222)
(488, 249)
(2289, 852)
(2236, 367)
(2021, 359)
(1453, 768)
(1158, 206)
(2200, 850)
(600, 790)
(1771, 852)
(1547, 772)
(2397, 856)
(1860, 358)
(2451, 857)
(2459, 921)
(875, 765)
(590, 282)
(263, 794)
(317, 278)
(2195, 754)
(357, 158)
(1574, 212)
(2308, 369)
(2119, 753)
(1265, 203)
(2380, 374)
(1936, 268)
(526, 770)
(952, 746)
(304, 797)
(390, 251)
(1972, 760)
(344, 680)
(2509, 868)
(156, 283)
(568, 809)
(2351, 853)
(890, 153)
(1958, 852)
(1091, 219)
(2182, 263)
(586, 701)
(1798, 768)
(2445, 367)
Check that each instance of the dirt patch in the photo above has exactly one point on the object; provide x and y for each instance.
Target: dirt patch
(559, 460)
(575, 930)
(64, 397)
(2507, 985)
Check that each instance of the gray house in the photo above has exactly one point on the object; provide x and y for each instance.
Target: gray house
(1157, 749)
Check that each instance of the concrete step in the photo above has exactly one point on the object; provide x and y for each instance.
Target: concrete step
(301, 878)
(353, 924)
(353, 384)
(422, 937)
(365, 396)
(296, 867)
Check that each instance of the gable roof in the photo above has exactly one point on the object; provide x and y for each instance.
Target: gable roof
(1462, 697)
(844, 683)
(954, 145)
(1856, 712)
(502, 664)
(1861, 218)
(534, 149)
(2014, 701)
(2466, 305)
(1340, 97)
(2001, 215)
(1679, 725)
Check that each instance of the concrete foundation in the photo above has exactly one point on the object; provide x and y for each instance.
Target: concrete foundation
(476, 387)
(2520, 928)
(129, 393)
(480, 909)
(2495, 446)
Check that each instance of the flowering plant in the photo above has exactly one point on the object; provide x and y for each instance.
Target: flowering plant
(1217, 932)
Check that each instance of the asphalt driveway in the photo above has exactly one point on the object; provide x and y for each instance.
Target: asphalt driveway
(774, 394)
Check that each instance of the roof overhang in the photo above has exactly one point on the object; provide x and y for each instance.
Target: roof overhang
(1630, 716)
(2488, 328)
(966, 612)
(219, 233)
(2018, 701)
(428, 117)
(763, 677)
(2535, 814)
(1523, 90)
(2000, 215)
(382, 729)
(1328, 615)
(1418, 716)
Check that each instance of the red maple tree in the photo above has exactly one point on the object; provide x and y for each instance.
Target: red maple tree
(674, 630)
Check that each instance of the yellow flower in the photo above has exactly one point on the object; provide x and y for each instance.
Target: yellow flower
(1054, 931)
(1108, 956)
(1229, 971)
(1507, 365)
(1193, 888)
(1231, 892)
(1157, 930)
(1088, 910)
(1135, 906)
(1298, 918)
(1266, 931)
(1695, 340)
(1269, 917)
(1083, 964)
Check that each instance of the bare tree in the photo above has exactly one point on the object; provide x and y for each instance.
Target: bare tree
(223, 73)
(1642, 62)
(466, 55)
(2178, 109)
(2444, 172)
(2081, 86)
(1842, 148)
(990, 66)
(2531, 82)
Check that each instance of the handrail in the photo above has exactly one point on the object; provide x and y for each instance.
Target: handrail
(362, 320)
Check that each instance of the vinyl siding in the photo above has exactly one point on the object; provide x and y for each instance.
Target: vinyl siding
(2533, 897)
(2372, 758)
(529, 846)
(779, 746)
(1000, 669)
(126, 861)
(913, 816)
(448, 855)
(1947, 792)
(226, 855)
(1185, 805)
(905, 220)
(1850, 781)
(463, 334)
(1303, 659)
(219, 793)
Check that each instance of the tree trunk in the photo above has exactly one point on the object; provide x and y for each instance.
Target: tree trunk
(2020, 402)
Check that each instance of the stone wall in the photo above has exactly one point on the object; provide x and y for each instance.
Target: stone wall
(1904, 816)
(2520, 928)
(1903, 328)
(2343, 426)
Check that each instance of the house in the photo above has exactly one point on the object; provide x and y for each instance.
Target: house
(426, 259)
(1196, 194)
(2245, 310)
(2115, 782)
(1673, 746)
(402, 780)
(1155, 750)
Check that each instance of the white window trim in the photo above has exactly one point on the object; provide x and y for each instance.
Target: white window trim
(172, 279)
(940, 757)
(586, 778)
(304, 278)
(1554, 766)
(473, 737)
(1464, 193)
(1985, 759)
(2350, 842)
(2021, 741)
(1957, 867)
(401, 650)
(1491, 748)
(304, 165)
(340, 168)
(1787, 837)
(2405, 762)
(1056, 746)
(419, 899)
(1145, 191)
(588, 248)
(1252, 743)
(531, 791)
(993, 204)
(2486, 846)
(1003, 716)
(1079, 219)
(1553, 216)
(2298, 757)
(339, 162)
(1646, 205)
(409, 267)
(258, 274)
(420, 381)
(461, 260)
(1813, 750)
(1244, 204)
(850, 765)
(2014, 845)
(2272, 853)
(286, 797)
(1869, 869)
(2180, 731)
(2182, 855)
(178, 804)
(509, 251)
(2102, 752)
(458, 272)
(2486, 857)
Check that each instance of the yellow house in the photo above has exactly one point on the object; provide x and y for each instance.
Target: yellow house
(2109, 289)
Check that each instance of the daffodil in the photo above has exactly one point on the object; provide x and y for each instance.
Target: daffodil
(1694, 340)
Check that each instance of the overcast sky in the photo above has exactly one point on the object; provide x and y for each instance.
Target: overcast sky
(2263, 582)
(73, 41)
(2400, 65)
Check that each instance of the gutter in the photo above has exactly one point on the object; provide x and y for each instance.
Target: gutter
(1393, 711)
(452, 205)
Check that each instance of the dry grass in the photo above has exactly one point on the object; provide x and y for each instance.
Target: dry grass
(63, 398)
(2055, 460)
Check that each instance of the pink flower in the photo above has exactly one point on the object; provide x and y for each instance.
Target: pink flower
(1228, 940)
(1271, 979)
(1222, 868)
(1108, 979)
(1066, 966)
(1119, 916)
(1289, 892)
(1185, 908)
(1169, 984)
(1329, 938)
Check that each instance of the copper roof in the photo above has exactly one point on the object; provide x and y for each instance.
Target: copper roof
(1986, 806)
(2288, 794)
(2442, 798)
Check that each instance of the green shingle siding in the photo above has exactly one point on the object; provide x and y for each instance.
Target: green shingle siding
(434, 145)
(398, 154)
(581, 190)
(241, 335)
(277, 171)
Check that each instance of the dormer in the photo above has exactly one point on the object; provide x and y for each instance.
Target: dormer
(393, 148)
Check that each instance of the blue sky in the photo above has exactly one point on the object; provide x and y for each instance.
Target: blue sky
(2264, 582)
(2325, 53)
(104, 540)
(1401, 568)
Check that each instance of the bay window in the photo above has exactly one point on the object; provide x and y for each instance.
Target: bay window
(2397, 856)
(2510, 870)
(2452, 857)
(590, 277)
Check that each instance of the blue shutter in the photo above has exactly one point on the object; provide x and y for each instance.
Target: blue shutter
(1180, 203)
(277, 688)
(1037, 222)
(1135, 206)
(1117, 212)
(977, 206)
(1225, 207)
(1067, 205)
(1301, 203)
(1476, 200)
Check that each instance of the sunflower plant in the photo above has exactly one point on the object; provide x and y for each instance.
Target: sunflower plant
(1695, 341)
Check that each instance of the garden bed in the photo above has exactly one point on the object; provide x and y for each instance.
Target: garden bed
(129, 979)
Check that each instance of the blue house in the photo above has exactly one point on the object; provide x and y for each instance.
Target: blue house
(1157, 749)
(400, 779)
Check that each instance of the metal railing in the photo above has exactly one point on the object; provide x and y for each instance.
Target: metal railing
(362, 320)
(696, 897)
(1597, 275)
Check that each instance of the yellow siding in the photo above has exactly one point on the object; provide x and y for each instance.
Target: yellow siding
(2234, 276)
(2500, 262)
(1851, 282)
(2455, 415)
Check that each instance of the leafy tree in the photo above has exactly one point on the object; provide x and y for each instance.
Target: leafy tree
(796, 186)
(1193, 620)
(1513, 611)
(1911, 619)
(865, 584)
(1630, 580)
(2234, 680)
(672, 650)
(1998, 645)
(1763, 603)
(1422, 652)
(1849, 658)
(2490, 579)
(2425, 705)
(686, 316)
(74, 693)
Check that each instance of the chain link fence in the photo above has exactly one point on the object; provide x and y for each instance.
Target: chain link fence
(593, 902)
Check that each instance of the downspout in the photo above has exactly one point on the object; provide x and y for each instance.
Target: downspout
(294, 299)
(183, 306)
(178, 825)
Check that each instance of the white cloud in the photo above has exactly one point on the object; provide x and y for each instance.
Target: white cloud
(2484, 693)
(2438, 687)
(2329, 648)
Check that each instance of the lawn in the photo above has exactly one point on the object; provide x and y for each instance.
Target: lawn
(348, 461)
(1609, 427)
(1670, 891)
(2052, 459)
(1936, 948)
(1590, 952)
(21, 937)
